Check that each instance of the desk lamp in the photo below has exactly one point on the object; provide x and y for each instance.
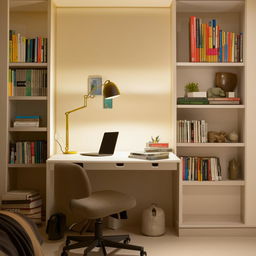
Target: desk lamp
(110, 90)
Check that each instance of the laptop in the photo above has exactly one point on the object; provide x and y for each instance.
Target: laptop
(107, 146)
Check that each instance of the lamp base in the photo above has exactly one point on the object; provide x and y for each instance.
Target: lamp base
(70, 152)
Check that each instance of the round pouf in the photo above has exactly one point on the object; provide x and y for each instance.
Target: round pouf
(153, 221)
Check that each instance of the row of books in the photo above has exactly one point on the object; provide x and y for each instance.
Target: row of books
(22, 49)
(194, 131)
(209, 43)
(26, 121)
(27, 82)
(28, 152)
(28, 203)
(201, 168)
(210, 101)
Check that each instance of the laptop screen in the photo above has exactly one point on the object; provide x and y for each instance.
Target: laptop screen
(108, 143)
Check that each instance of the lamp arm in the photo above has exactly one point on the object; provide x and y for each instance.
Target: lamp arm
(86, 97)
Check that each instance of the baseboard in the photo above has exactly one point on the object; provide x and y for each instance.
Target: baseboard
(247, 231)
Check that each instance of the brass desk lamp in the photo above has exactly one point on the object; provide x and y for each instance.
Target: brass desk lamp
(110, 90)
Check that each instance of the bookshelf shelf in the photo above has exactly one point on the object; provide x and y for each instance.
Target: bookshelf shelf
(211, 203)
(214, 183)
(26, 165)
(28, 129)
(210, 64)
(211, 106)
(27, 97)
(27, 64)
(203, 221)
(231, 145)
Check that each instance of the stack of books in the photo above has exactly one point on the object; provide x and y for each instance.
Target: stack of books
(209, 43)
(224, 101)
(192, 100)
(201, 168)
(26, 121)
(149, 155)
(157, 147)
(28, 203)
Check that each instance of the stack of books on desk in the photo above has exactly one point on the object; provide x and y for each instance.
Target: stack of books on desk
(28, 203)
(26, 121)
(149, 155)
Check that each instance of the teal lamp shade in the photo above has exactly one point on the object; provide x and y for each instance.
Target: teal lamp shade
(110, 90)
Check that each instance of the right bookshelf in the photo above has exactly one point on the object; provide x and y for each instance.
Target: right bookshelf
(210, 203)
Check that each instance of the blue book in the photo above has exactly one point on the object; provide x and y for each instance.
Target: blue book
(220, 44)
(27, 117)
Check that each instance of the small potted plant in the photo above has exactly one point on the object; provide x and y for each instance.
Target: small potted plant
(192, 90)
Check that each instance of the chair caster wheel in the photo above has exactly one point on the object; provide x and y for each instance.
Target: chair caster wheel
(143, 253)
(127, 241)
(67, 242)
(64, 253)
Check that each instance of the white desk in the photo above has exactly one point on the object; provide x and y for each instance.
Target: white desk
(118, 161)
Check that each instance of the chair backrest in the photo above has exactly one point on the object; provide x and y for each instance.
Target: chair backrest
(70, 182)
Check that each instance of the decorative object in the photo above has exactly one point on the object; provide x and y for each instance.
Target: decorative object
(153, 221)
(95, 84)
(233, 170)
(219, 137)
(233, 137)
(110, 90)
(197, 94)
(226, 81)
(107, 103)
(191, 87)
(230, 94)
(215, 93)
(155, 140)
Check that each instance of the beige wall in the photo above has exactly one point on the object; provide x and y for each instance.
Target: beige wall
(130, 46)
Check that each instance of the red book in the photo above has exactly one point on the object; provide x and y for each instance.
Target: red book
(33, 152)
(159, 145)
(39, 53)
(224, 98)
(193, 38)
(229, 47)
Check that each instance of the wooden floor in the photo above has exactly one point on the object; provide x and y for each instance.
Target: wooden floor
(170, 245)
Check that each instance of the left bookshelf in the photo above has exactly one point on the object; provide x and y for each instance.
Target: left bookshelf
(26, 95)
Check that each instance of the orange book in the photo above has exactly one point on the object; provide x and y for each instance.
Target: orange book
(39, 48)
(193, 39)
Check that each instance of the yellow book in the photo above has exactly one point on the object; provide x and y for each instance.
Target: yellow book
(210, 44)
(14, 48)
(10, 82)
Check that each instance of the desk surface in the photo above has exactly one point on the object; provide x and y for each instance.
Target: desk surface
(117, 157)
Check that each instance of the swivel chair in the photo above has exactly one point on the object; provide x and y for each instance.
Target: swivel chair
(93, 206)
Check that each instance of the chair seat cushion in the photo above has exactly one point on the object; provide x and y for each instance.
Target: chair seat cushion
(102, 203)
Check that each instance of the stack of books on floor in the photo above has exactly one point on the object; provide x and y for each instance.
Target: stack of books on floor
(26, 121)
(224, 101)
(192, 100)
(28, 203)
(149, 155)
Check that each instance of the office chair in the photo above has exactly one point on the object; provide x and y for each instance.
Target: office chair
(92, 206)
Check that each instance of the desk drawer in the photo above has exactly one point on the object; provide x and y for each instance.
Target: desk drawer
(131, 166)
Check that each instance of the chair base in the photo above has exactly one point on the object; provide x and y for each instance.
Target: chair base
(98, 240)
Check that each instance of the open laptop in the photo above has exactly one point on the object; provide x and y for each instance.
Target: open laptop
(107, 146)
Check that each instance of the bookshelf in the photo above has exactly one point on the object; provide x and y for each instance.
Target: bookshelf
(31, 20)
(204, 204)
